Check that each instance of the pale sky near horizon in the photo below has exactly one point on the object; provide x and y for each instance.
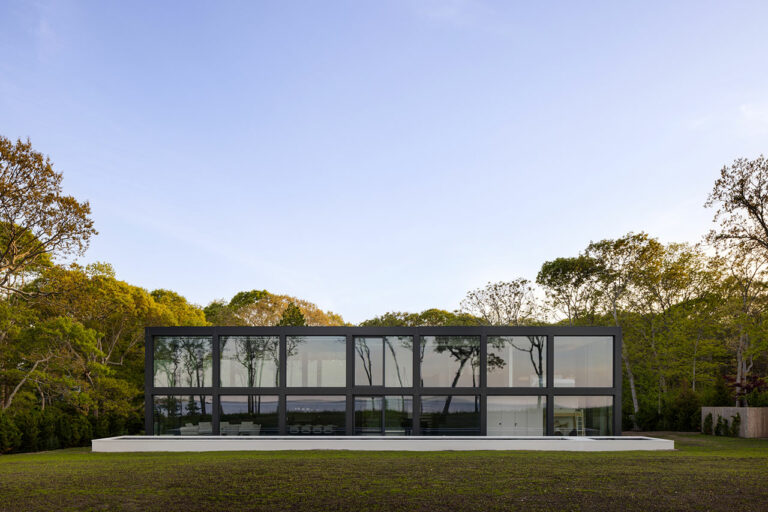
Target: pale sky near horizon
(380, 156)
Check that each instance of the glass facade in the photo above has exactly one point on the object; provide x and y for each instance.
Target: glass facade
(248, 415)
(398, 381)
(450, 415)
(316, 361)
(249, 361)
(182, 361)
(183, 415)
(384, 361)
(516, 415)
(583, 416)
(450, 361)
(583, 361)
(316, 415)
(517, 361)
(383, 415)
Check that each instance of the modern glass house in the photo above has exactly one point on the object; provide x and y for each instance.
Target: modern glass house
(398, 381)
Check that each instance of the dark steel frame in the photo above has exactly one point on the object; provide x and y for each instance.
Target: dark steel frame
(351, 391)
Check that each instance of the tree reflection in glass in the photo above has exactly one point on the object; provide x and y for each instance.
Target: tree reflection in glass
(316, 361)
(183, 361)
(250, 361)
(384, 361)
(517, 361)
(450, 361)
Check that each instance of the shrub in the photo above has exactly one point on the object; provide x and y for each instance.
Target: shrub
(708, 424)
(721, 426)
(10, 435)
(735, 425)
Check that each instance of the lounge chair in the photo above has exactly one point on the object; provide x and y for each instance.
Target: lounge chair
(188, 430)
(228, 430)
(294, 429)
(317, 429)
(328, 429)
(306, 429)
(247, 428)
(205, 428)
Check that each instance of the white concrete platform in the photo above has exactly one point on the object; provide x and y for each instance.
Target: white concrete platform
(375, 443)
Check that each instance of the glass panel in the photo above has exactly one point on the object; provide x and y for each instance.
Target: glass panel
(390, 415)
(177, 415)
(516, 415)
(517, 361)
(450, 415)
(450, 361)
(248, 415)
(316, 415)
(583, 416)
(249, 361)
(183, 361)
(386, 361)
(316, 361)
(583, 361)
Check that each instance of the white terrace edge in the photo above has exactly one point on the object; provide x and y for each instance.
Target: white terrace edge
(378, 443)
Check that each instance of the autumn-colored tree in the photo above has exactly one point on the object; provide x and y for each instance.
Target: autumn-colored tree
(38, 221)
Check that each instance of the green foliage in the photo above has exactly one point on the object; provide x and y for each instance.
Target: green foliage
(10, 435)
(292, 316)
(721, 428)
(720, 394)
(707, 429)
(735, 425)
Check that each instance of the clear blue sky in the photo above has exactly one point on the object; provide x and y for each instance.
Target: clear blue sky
(375, 156)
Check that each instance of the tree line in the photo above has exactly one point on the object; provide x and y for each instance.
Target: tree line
(71, 336)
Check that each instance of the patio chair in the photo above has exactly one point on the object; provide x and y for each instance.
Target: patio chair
(205, 428)
(294, 429)
(306, 429)
(229, 430)
(328, 429)
(317, 429)
(247, 428)
(188, 430)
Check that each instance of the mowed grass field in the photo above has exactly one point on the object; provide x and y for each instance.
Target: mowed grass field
(705, 473)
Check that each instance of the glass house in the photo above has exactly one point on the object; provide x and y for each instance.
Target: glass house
(383, 381)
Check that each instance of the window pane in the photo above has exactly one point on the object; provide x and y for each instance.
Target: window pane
(583, 361)
(176, 415)
(583, 416)
(450, 361)
(517, 361)
(516, 415)
(183, 361)
(315, 361)
(450, 415)
(386, 361)
(316, 415)
(390, 415)
(249, 361)
(248, 415)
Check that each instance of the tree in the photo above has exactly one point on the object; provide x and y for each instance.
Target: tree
(292, 316)
(262, 308)
(37, 221)
(570, 286)
(741, 198)
(502, 303)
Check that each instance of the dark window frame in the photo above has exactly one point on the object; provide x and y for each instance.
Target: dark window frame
(351, 390)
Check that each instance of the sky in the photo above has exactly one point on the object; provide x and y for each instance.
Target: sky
(380, 156)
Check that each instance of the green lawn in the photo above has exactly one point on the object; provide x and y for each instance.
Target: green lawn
(705, 473)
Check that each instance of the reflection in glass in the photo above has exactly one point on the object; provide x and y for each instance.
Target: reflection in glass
(583, 361)
(177, 415)
(450, 415)
(450, 361)
(182, 361)
(583, 416)
(249, 361)
(383, 415)
(316, 415)
(248, 415)
(517, 361)
(516, 415)
(315, 361)
(386, 361)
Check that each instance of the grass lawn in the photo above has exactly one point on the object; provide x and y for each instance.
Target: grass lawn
(705, 473)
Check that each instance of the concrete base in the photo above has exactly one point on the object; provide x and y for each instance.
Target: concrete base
(375, 443)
